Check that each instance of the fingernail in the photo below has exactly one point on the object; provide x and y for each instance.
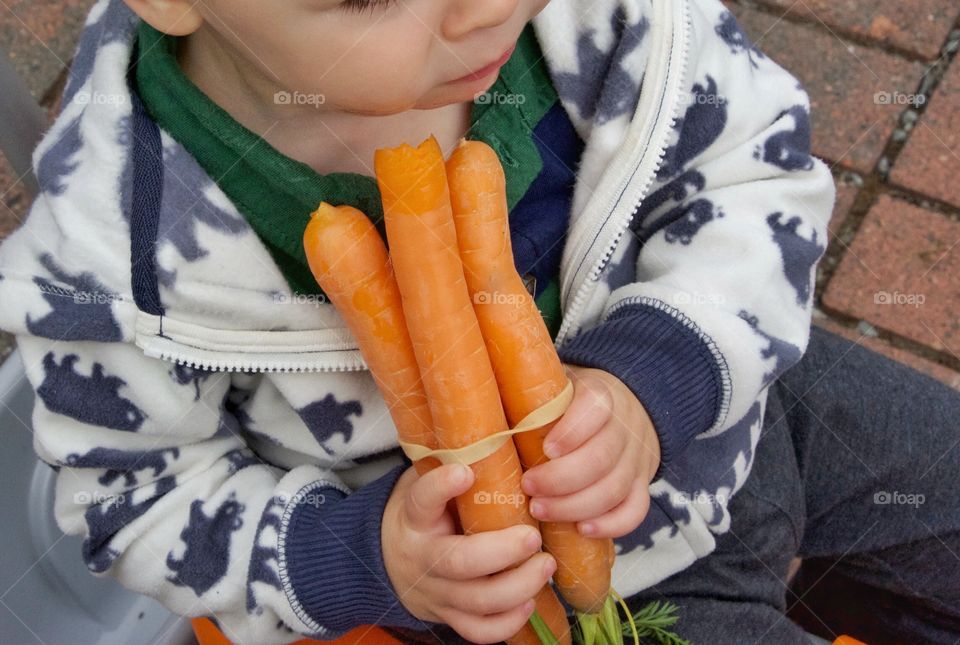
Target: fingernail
(587, 529)
(533, 540)
(549, 567)
(551, 450)
(460, 474)
(536, 509)
(529, 486)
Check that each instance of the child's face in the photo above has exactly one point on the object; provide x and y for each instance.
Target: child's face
(366, 56)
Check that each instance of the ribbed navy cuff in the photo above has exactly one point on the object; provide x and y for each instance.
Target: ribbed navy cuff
(668, 366)
(334, 559)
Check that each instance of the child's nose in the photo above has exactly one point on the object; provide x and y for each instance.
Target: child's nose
(466, 16)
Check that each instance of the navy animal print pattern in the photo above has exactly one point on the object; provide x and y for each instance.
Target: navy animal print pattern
(789, 149)
(799, 253)
(93, 399)
(82, 313)
(189, 375)
(328, 417)
(124, 463)
(733, 35)
(785, 354)
(60, 161)
(600, 86)
(113, 26)
(264, 558)
(185, 209)
(106, 519)
(207, 537)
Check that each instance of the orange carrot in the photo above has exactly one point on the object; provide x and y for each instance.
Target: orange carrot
(843, 639)
(457, 377)
(209, 634)
(349, 260)
(528, 371)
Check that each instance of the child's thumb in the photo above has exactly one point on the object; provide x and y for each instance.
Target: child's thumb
(429, 494)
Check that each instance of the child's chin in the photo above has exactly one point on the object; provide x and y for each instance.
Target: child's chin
(459, 92)
(441, 100)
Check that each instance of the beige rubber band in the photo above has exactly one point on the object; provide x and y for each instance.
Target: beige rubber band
(474, 452)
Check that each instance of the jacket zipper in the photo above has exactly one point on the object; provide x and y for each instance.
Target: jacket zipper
(327, 352)
(653, 121)
(262, 365)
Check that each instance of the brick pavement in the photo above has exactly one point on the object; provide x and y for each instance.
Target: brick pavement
(885, 92)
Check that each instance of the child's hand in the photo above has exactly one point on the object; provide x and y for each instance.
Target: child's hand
(443, 577)
(607, 452)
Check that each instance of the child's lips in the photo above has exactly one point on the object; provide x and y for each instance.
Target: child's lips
(485, 71)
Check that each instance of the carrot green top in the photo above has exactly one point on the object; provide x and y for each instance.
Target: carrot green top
(276, 193)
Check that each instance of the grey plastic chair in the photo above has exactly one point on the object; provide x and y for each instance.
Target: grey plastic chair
(23, 123)
(46, 593)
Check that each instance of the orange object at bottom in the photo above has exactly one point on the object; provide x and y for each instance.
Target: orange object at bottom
(208, 634)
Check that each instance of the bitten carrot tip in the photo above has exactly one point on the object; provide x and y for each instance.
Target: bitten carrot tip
(324, 209)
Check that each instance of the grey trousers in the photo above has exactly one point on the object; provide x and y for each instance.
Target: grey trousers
(857, 473)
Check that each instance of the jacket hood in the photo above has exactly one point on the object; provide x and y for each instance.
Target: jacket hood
(85, 265)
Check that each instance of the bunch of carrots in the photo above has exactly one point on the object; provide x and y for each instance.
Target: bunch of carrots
(454, 366)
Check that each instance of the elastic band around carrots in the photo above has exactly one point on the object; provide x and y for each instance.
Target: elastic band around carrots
(474, 452)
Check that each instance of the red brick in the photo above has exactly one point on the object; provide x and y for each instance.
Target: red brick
(902, 273)
(930, 161)
(849, 125)
(846, 194)
(918, 26)
(935, 370)
(40, 37)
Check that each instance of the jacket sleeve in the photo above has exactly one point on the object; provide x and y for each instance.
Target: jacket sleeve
(709, 295)
(156, 476)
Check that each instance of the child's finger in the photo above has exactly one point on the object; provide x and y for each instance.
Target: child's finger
(588, 412)
(488, 629)
(503, 591)
(428, 495)
(578, 469)
(596, 499)
(462, 557)
(623, 518)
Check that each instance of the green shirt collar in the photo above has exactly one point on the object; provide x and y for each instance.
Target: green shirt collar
(276, 194)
